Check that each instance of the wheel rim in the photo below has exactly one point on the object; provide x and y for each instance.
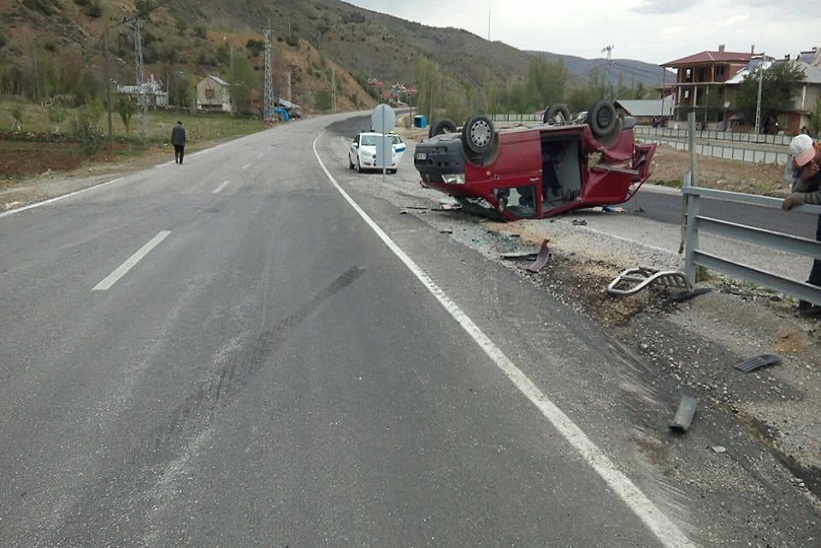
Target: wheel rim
(480, 134)
(603, 118)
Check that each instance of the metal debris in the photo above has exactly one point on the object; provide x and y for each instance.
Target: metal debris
(687, 295)
(684, 414)
(633, 280)
(751, 364)
(541, 258)
(520, 255)
(579, 222)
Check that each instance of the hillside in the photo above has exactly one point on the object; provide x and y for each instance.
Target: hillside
(49, 43)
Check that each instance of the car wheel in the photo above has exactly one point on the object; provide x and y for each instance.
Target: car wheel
(478, 135)
(602, 118)
(392, 171)
(358, 166)
(557, 115)
(350, 162)
(441, 126)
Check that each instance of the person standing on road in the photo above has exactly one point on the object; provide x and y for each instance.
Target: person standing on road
(178, 140)
(806, 173)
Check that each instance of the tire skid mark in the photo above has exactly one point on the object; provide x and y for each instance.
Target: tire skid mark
(219, 391)
(124, 501)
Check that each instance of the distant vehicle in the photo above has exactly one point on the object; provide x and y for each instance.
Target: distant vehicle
(539, 171)
(362, 153)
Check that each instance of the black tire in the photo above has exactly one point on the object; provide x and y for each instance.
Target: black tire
(557, 115)
(441, 126)
(358, 167)
(602, 118)
(478, 135)
(392, 171)
(350, 166)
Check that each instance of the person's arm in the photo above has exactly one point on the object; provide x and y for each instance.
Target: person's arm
(803, 192)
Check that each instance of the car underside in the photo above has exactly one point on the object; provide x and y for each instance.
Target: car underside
(538, 171)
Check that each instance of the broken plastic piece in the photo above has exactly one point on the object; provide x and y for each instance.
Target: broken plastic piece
(541, 259)
(579, 222)
(684, 414)
(751, 364)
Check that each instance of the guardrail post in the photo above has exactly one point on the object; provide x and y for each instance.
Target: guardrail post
(692, 205)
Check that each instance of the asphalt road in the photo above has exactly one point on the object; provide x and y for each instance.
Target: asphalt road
(225, 353)
(252, 349)
(666, 208)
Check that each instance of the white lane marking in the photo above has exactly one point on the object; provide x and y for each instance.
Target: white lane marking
(662, 527)
(123, 269)
(260, 155)
(246, 166)
(58, 198)
(220, 188)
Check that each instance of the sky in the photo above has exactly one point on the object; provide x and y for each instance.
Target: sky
(653, 31)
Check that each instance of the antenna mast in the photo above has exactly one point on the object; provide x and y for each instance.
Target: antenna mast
(268, 91)
(142, 104)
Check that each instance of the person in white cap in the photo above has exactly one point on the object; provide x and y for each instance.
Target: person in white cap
(806, 171)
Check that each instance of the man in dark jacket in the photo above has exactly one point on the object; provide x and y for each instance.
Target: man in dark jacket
(178, 140)
(806, 171)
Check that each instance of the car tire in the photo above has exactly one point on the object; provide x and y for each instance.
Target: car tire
(556, 115)
(350, 166)
(392, 171)
(602, 118)
(358, 167)
(441, 126)
(478, 135)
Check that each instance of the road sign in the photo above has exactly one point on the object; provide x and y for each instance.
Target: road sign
(383, 119)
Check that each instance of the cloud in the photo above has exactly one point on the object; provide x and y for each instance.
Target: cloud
(664, 7)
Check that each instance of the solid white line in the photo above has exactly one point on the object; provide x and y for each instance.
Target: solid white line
(220, 188)
(123, 269)
(246, 166)
(58, 198)
(665, 530)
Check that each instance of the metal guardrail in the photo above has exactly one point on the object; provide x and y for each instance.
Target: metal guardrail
(696, 223)
(727, 152)
(729, 136)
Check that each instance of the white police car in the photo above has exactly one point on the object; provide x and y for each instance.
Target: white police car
(362, 153)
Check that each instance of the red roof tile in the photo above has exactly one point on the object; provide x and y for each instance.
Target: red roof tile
(711, 57)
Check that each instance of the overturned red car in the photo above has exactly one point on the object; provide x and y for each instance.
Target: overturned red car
(538, 171)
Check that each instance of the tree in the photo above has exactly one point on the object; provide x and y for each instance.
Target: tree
(18, 112)
(777, 84)
(125, 108)
(815, 119)
(56, 114)
(243, 81)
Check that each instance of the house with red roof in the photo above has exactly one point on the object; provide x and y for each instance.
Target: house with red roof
(706, 83)
(701, 82)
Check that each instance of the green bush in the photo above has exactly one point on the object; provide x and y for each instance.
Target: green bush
(85, 127)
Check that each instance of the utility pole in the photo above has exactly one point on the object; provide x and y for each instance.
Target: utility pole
(268, 92)
(108, 89)
(607, 87)
(142, 103)
(333, 90)
(758, 100)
